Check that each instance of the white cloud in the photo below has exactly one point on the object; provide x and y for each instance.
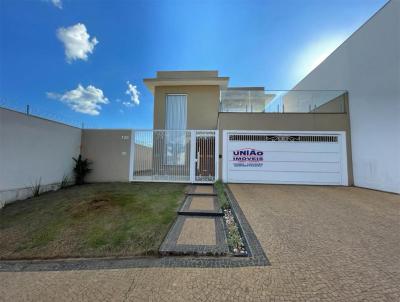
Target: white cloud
(57, 3)
(77, 42)
(84, 100)
(133, 93)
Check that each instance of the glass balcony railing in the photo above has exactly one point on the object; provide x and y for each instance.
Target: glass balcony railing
(283, 101)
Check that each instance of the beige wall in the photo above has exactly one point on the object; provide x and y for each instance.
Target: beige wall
(109, 150)
(287, 122)
(202, 110)
(143, 158)
(284, 121)
(187, 74)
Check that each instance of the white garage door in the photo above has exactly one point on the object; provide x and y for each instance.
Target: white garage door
(317, 158)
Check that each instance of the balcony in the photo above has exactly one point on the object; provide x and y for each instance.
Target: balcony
(258, 100)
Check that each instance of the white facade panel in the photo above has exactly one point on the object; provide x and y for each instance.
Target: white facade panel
(367, 65)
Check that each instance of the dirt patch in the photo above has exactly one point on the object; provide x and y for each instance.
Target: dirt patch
(95, 204)
(99, 203)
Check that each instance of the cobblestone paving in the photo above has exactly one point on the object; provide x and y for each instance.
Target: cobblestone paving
(324, 244)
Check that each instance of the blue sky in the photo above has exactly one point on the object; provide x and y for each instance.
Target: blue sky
(271, 43)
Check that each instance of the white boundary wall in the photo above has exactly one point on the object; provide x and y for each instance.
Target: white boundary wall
(368, 66)
(33, 148)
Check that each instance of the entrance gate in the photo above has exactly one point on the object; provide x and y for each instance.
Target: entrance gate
(174, 155)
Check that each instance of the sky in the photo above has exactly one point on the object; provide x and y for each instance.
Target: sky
(83, 61)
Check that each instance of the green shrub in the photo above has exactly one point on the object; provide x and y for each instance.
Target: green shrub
(234, 238)
(223, 201)
(37, 187)
(64, 182)
(81, 169)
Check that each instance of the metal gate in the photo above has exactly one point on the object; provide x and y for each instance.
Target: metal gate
(205, 156)
(174, 155)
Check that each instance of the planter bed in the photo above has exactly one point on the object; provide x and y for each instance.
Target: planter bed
(237, 243)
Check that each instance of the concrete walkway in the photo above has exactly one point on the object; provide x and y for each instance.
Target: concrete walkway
(324, 244)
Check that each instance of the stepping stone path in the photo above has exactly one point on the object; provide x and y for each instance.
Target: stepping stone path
(190, 232)
(199, 227)
(204, 190)
(200, 205)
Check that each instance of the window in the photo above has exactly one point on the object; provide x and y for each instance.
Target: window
(175, 119)
(176, 112)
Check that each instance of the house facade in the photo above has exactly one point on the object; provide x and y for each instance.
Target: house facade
(198, 92)
(204, 130)
(242, 118)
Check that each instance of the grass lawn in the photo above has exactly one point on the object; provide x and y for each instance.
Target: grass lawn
(109, 219)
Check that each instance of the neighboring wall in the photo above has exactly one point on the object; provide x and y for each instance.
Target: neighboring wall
(367, 65)
(109, 151)
(286, 122)
(202, 105)
(143, 158)
(33, 149)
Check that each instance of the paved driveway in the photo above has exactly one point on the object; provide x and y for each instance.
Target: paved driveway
(324, 244)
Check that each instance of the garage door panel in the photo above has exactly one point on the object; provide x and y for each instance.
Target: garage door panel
(309, 159)
(307, 167)
(287, 177)
(296, 156)
(290, 146)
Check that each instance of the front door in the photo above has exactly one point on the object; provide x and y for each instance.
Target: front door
(205, 156)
